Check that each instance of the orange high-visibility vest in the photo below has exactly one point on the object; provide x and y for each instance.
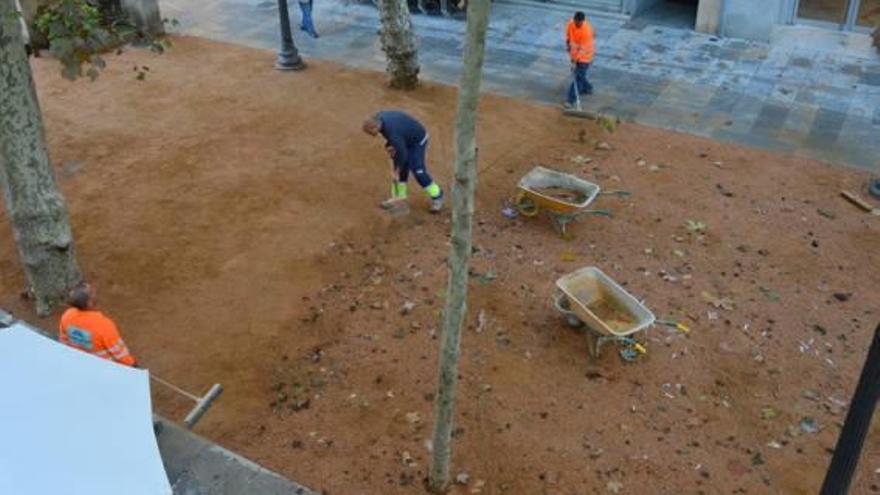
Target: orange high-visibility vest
(92, 332)
(580, 41)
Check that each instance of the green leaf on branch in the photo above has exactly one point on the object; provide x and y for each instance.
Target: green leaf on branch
(71, 71)
(80, 30)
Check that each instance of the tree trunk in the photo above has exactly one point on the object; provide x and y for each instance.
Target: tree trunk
(460, 250)
(399, 44)
(33, 202)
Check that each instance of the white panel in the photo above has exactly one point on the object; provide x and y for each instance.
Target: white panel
(73, 423)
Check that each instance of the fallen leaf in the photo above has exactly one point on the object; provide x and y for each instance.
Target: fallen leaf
(718, 302)
(809, 425)
(487, 277)
(769, 413)
(770, 294)
(614, 486)
(757, 459)
(694, 226)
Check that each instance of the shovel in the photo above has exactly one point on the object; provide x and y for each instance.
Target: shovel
(397, 207)
(578, 111)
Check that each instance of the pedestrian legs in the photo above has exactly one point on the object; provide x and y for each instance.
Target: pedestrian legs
(307, 24)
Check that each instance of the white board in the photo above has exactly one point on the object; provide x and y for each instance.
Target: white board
(72, 423)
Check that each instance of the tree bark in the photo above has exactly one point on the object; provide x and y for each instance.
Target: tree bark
(460, 251)
(399, 44)
(33, 202)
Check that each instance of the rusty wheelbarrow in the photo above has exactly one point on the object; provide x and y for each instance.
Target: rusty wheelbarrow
(564, 197)
(588, 297)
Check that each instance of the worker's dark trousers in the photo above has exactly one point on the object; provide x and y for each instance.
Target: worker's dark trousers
(580, 77)
(415, 163)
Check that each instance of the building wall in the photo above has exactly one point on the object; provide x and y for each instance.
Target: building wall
(752, 19)
(709, 16)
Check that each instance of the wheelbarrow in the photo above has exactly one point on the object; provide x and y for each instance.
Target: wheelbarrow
(571, 198)
(589, 298)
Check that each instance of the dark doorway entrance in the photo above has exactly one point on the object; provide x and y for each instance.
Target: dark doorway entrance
(680, 14)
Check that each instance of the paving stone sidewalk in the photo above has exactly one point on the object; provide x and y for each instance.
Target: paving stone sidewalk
(796, 97)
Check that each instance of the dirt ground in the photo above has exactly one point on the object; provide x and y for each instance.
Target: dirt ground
(228, 214)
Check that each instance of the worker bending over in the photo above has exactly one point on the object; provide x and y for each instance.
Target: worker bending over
(87, 329)
(579, 44)
(406, 142)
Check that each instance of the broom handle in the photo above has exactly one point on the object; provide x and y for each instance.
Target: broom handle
(175, 388)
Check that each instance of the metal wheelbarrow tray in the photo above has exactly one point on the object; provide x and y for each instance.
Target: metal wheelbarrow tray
(530, 199)
(581, 291)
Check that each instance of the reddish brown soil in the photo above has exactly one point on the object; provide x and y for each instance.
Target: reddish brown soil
(228, 214)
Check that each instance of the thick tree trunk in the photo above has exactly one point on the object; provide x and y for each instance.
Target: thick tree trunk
(460, 251)
(33, 202)
(399, 44)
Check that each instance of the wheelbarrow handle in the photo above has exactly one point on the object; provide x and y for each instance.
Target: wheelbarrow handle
(600, 213)
(615, 193)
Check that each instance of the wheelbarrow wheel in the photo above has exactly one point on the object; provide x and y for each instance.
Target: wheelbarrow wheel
(526, 205)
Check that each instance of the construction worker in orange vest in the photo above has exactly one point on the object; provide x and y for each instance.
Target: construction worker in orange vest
(87, 329)
(579, 44)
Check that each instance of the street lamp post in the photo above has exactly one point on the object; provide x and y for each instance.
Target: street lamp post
(288, 56)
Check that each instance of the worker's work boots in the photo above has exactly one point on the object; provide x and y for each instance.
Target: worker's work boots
(392, 203)
(396, 207)
(436, 205)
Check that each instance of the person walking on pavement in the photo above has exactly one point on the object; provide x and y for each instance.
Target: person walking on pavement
(87, 329)
(307, 24)
(579, 44)
(406, 141)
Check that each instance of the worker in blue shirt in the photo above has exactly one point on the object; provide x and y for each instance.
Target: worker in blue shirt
(406, 141)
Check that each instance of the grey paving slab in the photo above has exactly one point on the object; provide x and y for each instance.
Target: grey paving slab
(826, 127)
(770, 119)
(793, 97)
(178, 450)
(870, 78)
(745, 114)
(198, 467)
(799, 120)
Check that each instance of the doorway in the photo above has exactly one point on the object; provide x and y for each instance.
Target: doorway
(680, 14)
(845, 15)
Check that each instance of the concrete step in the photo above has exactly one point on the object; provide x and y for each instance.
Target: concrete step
(610, 9)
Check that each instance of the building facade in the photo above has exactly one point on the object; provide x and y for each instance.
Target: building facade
(752, 19)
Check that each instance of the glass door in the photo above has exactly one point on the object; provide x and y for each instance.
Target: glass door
(830, 11)
(846, 15)
(868, 15)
